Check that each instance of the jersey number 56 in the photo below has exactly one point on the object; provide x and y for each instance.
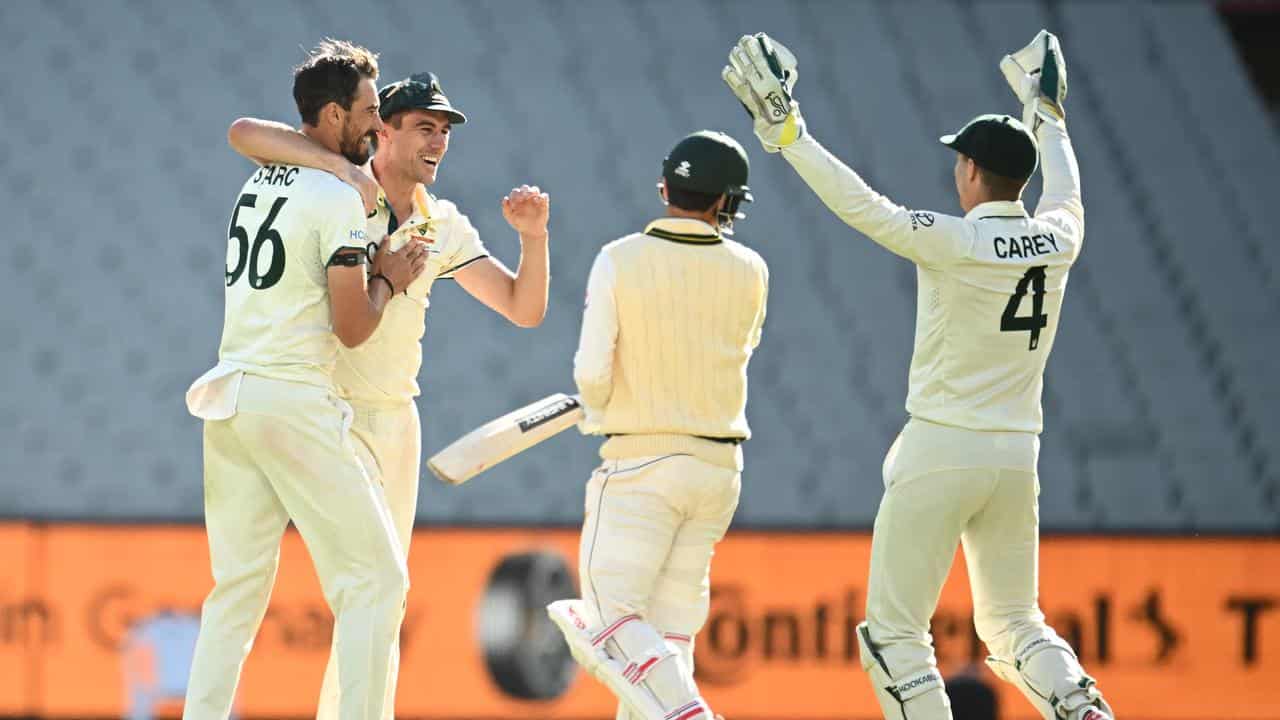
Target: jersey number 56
(248, 256)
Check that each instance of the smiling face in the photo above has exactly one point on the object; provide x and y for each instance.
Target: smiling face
(415, 142)
(360, 124)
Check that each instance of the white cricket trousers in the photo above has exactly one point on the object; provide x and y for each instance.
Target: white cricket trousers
(650, 530)
(287, 455)
(943, 486)
(393, 436)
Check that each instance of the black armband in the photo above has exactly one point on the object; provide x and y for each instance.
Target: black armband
(348, 257)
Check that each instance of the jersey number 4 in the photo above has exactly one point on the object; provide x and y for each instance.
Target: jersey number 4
(1009, 320)
(248, 256)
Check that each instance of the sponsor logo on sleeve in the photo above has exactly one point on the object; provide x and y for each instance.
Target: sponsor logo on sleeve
(921, 219)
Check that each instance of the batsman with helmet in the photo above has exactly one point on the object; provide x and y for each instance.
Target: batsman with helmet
(963, 469)
(673, 315)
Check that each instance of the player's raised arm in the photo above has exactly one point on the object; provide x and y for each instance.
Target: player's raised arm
(521, 297)
(917, 235)
(266, 142)
(762, 73)
(1038, 76)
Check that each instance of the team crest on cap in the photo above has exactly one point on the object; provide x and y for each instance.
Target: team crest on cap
(683, 169)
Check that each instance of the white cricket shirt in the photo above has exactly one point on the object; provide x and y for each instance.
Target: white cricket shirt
(989, 285)
(287, 223)
(383, 370)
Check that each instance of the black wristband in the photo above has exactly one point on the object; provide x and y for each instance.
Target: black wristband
(384, 278)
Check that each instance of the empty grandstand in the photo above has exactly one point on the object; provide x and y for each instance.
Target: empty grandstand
(1161, 405)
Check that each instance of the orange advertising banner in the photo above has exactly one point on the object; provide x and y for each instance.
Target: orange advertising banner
(99, 621)
(1171, 628)
(25, 625)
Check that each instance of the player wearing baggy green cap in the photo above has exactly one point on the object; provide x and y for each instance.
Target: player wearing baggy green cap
(277, 446)
(380, 377)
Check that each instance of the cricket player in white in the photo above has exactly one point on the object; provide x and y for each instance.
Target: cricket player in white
(990, 287)
(673, 315)
(380, 377)
(277, 446)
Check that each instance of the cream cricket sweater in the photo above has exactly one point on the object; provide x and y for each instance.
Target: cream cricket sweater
(672, 317)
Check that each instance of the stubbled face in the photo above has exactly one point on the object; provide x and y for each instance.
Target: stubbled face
(417, 147)
(361, 124)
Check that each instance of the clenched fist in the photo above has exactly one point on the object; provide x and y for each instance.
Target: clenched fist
(527, 210)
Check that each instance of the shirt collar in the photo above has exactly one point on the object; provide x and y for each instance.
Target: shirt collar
(997, 209)
(684, 230)
(421, 210)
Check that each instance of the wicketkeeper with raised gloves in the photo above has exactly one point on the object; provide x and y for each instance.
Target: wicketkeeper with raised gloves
(963, 469)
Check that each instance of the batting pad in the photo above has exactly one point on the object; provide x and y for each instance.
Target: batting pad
(624, 680)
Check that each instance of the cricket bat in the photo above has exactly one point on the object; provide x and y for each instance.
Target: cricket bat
(499, 439)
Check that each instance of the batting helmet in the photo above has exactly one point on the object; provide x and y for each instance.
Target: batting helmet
(711, 163)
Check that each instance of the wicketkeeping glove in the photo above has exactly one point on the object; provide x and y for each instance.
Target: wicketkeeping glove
(761, 73)
(1038, 75)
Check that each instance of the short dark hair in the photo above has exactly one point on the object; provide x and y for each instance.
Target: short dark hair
(331, 73)
(1001, 187)
(690, 200)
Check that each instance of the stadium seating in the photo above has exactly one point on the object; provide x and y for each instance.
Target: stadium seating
(1161, 413)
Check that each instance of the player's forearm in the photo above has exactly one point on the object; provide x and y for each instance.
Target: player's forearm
(528, 304)
(1060, 171)
(842, 190)
(358, 325)
(264, 141)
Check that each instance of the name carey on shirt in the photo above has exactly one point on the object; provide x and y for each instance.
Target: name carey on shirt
(1024, 246)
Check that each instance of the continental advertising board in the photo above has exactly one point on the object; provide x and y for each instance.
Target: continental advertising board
(98, 621)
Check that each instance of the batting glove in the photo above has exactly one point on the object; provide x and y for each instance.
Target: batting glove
(761, 73)
(1038, 75)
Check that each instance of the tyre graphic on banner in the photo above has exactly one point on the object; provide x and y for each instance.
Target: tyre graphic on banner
(523, 650)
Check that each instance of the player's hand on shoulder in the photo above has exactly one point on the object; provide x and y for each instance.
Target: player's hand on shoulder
(527, 210)
(363, 182)
(401, 266)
